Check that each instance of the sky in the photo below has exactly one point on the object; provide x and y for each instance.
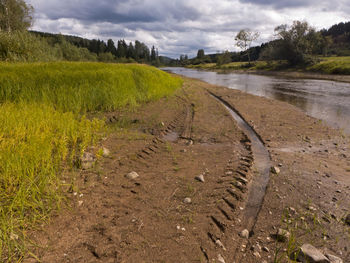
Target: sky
(178, 27)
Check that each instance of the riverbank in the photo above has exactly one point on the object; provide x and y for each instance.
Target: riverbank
(166, 214)
(45, 133)
(332, 68)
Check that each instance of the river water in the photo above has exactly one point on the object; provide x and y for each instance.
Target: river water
(322, 99)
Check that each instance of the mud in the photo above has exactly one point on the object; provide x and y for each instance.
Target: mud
(114, 219)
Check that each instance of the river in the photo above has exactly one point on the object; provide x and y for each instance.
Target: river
(326, 100)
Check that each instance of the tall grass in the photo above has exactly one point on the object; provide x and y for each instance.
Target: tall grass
(82, 87)
(43, 129)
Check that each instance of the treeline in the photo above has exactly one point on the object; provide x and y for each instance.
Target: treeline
(298, 43)
(108, 51)
(38, 46)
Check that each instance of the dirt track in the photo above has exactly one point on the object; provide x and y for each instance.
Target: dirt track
(115, 219)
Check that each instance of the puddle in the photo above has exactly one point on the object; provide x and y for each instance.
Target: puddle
(262, 164)
(171, 136)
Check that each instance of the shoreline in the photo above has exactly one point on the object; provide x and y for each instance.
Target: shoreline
(309, 197)
(284, 74)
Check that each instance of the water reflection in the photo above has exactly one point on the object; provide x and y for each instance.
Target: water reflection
(322, 99)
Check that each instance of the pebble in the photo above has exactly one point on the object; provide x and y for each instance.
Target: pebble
(219, 244)
(334, 259)
(245, 233)
(282, 235)
(80, 203)
(106, 152)
(187, 200)
(257, 254)
(221, 259)
(87, 160)
(309, 253)
(275, 170)
(132, 175)
(266, 249)
(200, 178)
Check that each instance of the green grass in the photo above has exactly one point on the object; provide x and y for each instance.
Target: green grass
(327, 65)
(82, 87)
(255, 65)
(332, 65)
(43, 131)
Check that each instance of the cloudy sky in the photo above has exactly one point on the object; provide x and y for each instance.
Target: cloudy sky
(182, 26)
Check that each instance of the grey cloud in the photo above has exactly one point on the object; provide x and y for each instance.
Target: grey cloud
(117, 11)
(181, 26)
(281, 3)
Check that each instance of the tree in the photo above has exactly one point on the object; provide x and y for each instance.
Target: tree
(296, 43)
(153, 54)
(111, 47)
(244, 39)
(15, 15)
(224, 58)
(200, 53)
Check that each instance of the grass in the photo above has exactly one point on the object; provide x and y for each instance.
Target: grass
(43, 131)
(332, 65)
(326, 65)
(83, 87)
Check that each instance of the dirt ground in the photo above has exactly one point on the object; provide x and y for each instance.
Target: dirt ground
(167, 215)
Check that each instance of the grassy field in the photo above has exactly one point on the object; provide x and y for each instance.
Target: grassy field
(43, 129)
(326, 65)
(332, 65)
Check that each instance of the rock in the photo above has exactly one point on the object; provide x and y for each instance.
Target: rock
(132, 175)
(334, 259)
(105, 152)
(219, 244)
(347, 219)
(87, 160)
(187, 200)
(200, 178)
(310, 254)
(266, 249)
(282, 235)
(292, 210)
(257, 254)
(275, 170)
(221, 259)
(245, 233)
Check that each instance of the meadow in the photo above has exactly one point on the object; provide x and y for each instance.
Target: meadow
(43, 131)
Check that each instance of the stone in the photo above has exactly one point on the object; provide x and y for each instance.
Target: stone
(310, 254)
(347, 219)
(105, 152)
(245, 233)
(257, 254)
(87, 160)
(221, 259)
(275, 170)
(282, 235)
(187, 200)
(132, 175)
(266, 249)
(334, 259)
(219, 244)
(200, 178)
